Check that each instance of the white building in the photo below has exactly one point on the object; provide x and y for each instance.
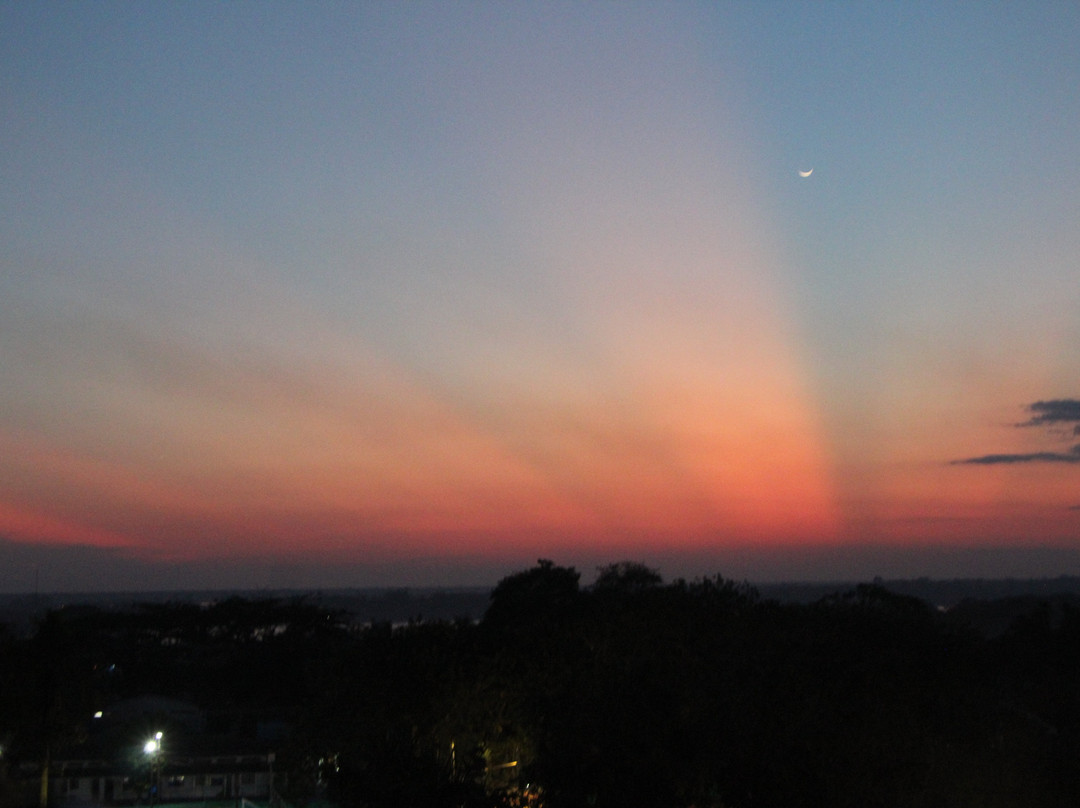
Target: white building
(177, 779)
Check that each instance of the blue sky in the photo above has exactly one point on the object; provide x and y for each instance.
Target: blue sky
(425, 291)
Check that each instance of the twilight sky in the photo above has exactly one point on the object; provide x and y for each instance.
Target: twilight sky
(330, 294)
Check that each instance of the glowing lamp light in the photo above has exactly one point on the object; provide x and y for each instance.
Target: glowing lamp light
(153, 745)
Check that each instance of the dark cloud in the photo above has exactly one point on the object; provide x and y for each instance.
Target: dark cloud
(1057, 411)
(1044, 413)
(1072, 456)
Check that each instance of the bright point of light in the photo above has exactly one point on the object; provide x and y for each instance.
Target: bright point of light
(153, 745)
(98, 714)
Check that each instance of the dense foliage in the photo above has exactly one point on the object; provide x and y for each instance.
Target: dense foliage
(629, 692)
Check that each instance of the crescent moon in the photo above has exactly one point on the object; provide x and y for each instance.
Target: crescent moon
(805, 174)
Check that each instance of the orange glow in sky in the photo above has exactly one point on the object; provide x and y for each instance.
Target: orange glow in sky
(431, 293)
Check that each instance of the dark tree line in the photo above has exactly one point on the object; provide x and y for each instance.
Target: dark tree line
(628, 692)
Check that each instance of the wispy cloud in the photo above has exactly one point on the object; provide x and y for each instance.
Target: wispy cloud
(1047, 414)
(1072, 456)
(1057, 411)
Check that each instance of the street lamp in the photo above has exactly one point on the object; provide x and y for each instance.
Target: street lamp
(152, 748)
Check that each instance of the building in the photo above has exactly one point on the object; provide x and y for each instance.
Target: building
(205, 779)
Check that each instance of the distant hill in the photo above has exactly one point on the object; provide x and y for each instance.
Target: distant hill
(398, 605)
(943, 594)
(393, 605)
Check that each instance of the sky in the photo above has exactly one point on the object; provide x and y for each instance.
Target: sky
(362, 294)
